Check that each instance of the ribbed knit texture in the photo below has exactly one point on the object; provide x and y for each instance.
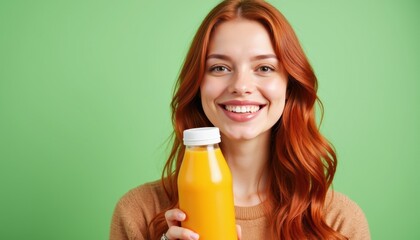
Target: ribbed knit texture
(137, 208)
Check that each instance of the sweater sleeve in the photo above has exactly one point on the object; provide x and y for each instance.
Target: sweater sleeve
(128, 220)
(346, 217)
(135, 210)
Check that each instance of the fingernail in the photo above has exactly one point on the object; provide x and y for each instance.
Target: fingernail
(194, 236)
(181, 216)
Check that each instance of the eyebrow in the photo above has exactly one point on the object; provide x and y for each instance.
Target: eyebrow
(258, 57)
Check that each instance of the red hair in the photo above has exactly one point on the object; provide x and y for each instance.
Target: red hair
(302, 162)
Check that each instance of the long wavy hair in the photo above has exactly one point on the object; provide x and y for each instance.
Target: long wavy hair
(302, 162)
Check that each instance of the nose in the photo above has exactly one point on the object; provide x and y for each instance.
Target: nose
(241, 83)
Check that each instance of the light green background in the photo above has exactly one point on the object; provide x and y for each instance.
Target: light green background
(84, 105)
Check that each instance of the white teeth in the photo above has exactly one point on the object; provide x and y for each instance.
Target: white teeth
(242, 109)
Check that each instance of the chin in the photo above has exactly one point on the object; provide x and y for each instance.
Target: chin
(240, 134)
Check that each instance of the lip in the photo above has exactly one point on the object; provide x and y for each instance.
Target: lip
(241, 103)
(241, 117)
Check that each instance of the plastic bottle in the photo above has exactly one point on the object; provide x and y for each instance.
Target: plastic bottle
(205, 187)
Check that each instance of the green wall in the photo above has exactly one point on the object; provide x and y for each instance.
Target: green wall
(84, 105)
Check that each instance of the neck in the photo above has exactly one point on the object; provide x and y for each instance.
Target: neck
(247, 160)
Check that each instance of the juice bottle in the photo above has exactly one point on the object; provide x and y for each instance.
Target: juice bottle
(205, 187)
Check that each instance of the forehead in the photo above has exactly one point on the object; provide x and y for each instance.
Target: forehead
(240, 35)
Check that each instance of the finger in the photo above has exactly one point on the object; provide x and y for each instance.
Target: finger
(175, 232)
(239, 231)
(174, 216)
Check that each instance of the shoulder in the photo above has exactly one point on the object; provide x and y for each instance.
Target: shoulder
(136, 209)
(346, 216)
(144, 191)
(148, 197)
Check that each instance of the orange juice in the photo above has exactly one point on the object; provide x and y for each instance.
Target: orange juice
(205, 187)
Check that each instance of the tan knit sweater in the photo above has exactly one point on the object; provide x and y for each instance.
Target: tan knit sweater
(137, 208)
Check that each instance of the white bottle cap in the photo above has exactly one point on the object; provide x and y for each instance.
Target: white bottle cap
(201, 136)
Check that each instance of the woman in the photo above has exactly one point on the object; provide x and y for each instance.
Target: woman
(246, 74)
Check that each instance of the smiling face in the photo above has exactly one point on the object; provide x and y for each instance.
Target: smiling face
(244, 87)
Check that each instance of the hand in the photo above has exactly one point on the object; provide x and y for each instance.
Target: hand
(174, 216)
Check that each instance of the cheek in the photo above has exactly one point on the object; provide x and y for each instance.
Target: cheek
(210, 90)
(275, 91)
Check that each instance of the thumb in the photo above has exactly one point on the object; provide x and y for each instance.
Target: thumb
(239, 231)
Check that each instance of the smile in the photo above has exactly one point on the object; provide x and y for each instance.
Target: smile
(242, 108)
(241, 111)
